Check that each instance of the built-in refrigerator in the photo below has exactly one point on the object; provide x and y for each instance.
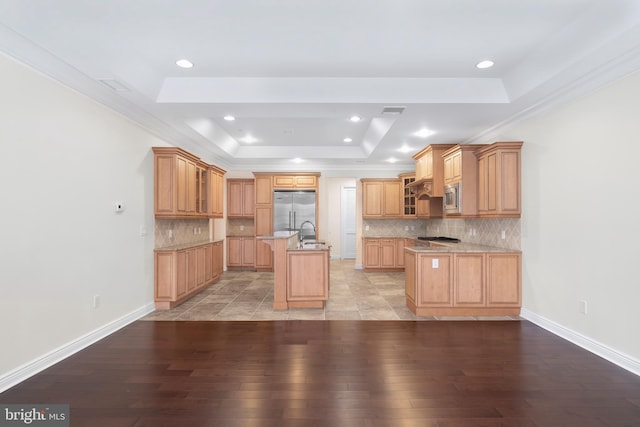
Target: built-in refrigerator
(293, 209)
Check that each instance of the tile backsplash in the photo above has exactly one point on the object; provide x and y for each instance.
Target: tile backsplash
(240, 227)
(488, 231)
(170, 232)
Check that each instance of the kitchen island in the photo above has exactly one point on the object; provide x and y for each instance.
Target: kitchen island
(449, 279)
(300, 271)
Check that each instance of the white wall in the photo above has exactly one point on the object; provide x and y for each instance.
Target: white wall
(581, 215)
(66, 160)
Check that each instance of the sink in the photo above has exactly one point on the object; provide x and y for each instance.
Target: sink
(313, 242)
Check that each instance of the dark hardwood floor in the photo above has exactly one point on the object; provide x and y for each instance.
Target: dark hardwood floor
(336, 373)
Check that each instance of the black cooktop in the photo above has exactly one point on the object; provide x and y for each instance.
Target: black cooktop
(440, 239)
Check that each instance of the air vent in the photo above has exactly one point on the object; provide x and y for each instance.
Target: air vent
(392, 111)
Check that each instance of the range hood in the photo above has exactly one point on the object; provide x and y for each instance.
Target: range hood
(422, 188)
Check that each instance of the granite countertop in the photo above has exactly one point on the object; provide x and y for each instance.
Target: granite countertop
(312, 247)
(457, 247)
(278, 235)
(186, 245)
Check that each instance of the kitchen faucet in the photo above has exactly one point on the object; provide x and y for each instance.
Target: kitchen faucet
(300, 238)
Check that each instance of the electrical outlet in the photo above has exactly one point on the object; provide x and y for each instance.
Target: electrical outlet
(435, 263)
(503, 235)
(366, 227)
(143, 231)
(413, 228)
(170, 233)
(406, 228)
(96, 301)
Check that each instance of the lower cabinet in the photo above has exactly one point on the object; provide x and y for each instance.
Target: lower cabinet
(307, 278)
(384, 254)
(241, 253)
(181, 273)
(446, 284)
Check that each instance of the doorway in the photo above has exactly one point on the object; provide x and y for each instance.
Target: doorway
(348, 220)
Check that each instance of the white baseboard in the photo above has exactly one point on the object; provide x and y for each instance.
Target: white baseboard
(29, 369)
(623, 360)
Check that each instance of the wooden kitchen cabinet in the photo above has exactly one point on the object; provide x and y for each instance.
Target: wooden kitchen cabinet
(240, 253)
(263, 220)
(182, 186)
(382, 198)
(504, 278)
(499, 180)
(469, 280)
(216, 192)
(240, 198)
(461, 166)
(465, 284)
(307, 278)
(181, 273)
(408, 197)
(380, 254)
(430, 169)
(295, 181)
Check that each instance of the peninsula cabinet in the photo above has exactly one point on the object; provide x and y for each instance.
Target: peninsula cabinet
(240, 253)
(184, 186)
(382, 198)
(465, 284)
(181, 273)
(240, 198)
(499, 180)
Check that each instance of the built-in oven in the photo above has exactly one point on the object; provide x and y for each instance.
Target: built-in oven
(451, 199)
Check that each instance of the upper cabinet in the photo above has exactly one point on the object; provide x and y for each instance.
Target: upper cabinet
(382, 198)
(499, 173)
(430, 171)
(183, 185)
(461, 167)
(216, 194)
(307, 181)
(240, 198)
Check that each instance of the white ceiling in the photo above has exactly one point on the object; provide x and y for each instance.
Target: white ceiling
(292, 72)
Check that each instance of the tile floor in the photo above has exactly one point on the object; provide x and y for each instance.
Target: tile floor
(353, 295)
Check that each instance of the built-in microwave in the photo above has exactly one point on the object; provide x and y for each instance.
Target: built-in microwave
(451, 199)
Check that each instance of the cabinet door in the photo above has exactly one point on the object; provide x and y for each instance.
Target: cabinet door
(410, 277)
(182, 272)
(372, 198)
(235, 198)
(182, 184)
(217, 259)
(434, 276)
(283, 181)
(191, 270)
(208, 260)
(234, 251)
(165, 183)
(201, 267)
(264, 190)
(248, 251)
(248, 197)
(307, 276)
(453, 167)
(306, 181)
(371, 253)
(393, 198)
(387, 253)
(468, 279)
(504, 279)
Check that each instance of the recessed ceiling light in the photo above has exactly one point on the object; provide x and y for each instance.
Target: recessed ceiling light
(355, 119)
(229, 118)
(249, 139)
(392, 160)
(184, 63)
(484, 64)
(297, 160)
(405, 149)
(347, 140)
(424, 132)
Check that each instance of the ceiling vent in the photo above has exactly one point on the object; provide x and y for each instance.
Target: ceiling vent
(392, 111)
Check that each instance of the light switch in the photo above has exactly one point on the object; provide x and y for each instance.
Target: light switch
(435, 263)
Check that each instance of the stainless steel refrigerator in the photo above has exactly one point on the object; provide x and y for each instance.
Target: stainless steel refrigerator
(292, 209)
